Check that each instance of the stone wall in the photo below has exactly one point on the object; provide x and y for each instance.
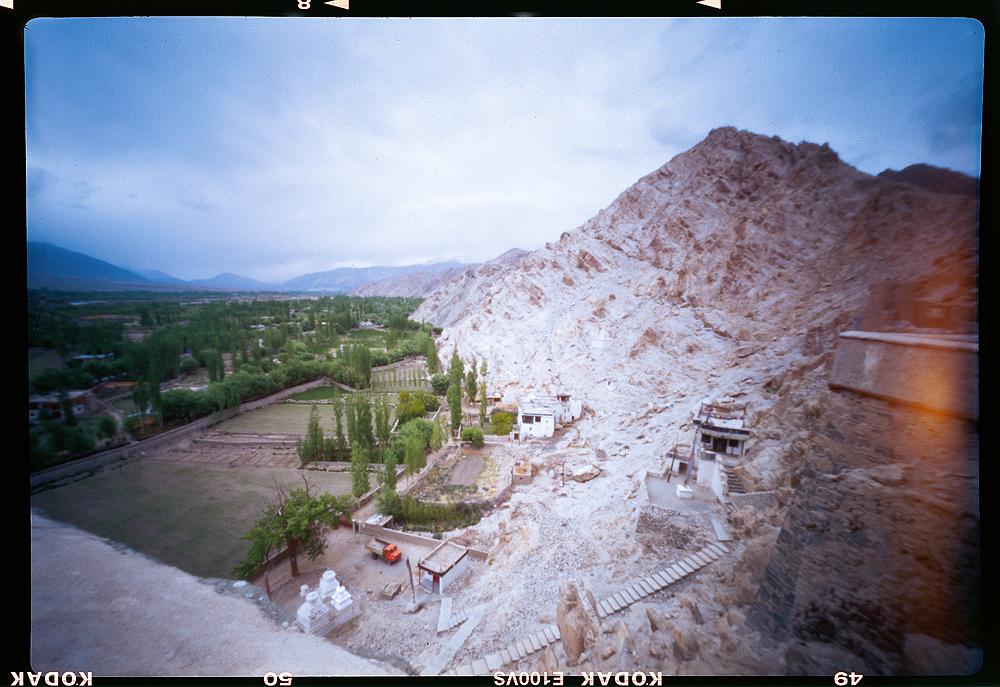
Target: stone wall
(938, 372)
(880, 543)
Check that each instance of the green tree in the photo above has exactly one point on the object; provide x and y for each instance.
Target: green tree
(312, 447)
(455, 405)
(360, 483)
(482, 403)
(413, 446)
(386, 475)
(471, 383)
(297, 521)
(383, 431)
(439, 384)
(430, 350)
(340, 442)
(456, 370)
(473, 434)
(107, 427)
(503, 422)
(140, 399)
(66, 404)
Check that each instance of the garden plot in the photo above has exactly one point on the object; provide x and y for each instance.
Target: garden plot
(466, 474)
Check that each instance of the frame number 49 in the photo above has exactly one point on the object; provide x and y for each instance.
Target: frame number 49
(842, 678)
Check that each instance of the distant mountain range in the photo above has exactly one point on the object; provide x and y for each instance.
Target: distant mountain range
(58, 268)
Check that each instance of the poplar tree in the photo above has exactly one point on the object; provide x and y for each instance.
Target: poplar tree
(360, 483)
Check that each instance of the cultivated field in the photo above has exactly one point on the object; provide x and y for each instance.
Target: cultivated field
(187, 515)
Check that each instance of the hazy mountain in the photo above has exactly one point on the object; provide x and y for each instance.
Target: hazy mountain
(345, 279)
(234, 282)
(59, 268)
(161, 277)
(423, 284)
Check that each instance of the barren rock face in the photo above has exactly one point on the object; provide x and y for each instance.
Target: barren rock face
(576, 625)
(729, 273)
(742, 244)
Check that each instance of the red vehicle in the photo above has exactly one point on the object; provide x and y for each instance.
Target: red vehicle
(385, 550)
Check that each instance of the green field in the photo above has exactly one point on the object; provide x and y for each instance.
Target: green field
(188, 516)
(286, 418)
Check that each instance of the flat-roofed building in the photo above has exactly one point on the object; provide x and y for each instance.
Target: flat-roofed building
(442, 566)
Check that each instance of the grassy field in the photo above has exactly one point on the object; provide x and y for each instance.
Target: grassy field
(287, 418)
(188, 516)
(319, 393)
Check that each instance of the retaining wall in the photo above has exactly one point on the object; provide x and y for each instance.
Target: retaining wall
(881, 538)
(939, 372)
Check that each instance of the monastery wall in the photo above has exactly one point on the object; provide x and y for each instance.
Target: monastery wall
(880, 545)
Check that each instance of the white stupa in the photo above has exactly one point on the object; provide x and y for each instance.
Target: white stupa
(313, 614)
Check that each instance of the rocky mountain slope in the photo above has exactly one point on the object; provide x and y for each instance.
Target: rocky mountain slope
(728, 274)
(423, 284)
(742, 247)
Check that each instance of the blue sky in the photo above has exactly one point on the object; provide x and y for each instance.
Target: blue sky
(275, 147)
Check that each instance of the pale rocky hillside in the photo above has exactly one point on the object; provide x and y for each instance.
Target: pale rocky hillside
(742, 256)
(725, 274)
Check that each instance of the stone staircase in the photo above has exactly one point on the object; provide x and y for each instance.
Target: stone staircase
(549, 634)
(757, 499)
(735, 483)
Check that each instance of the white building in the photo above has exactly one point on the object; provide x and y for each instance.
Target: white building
(537, 416)
(442, 566)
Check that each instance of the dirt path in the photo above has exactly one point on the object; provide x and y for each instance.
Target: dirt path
(99, 607)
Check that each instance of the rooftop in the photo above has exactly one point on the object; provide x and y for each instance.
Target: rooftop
(443, 558)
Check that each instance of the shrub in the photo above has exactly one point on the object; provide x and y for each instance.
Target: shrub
(473, 434)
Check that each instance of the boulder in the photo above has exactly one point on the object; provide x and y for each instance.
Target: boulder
(576, 626)
(586, 473)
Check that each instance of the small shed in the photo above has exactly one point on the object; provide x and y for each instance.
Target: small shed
(442, 566)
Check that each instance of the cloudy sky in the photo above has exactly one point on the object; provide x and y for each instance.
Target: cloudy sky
(275, 147)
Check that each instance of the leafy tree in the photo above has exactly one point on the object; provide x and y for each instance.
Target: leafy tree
(312, 447)
(430, 350)
(360, 483)
(78, 441)
(107, 426)
(440, 383)
(140, 398)
(297, 521)
(456, 371)
(409, 407)
(382, 414)
(340, 442)
(482, 403)
(471, 383)
(473, 434)
(66, 404)
(503, 422)
(416, 456)
(386, 475)
(455, 405)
